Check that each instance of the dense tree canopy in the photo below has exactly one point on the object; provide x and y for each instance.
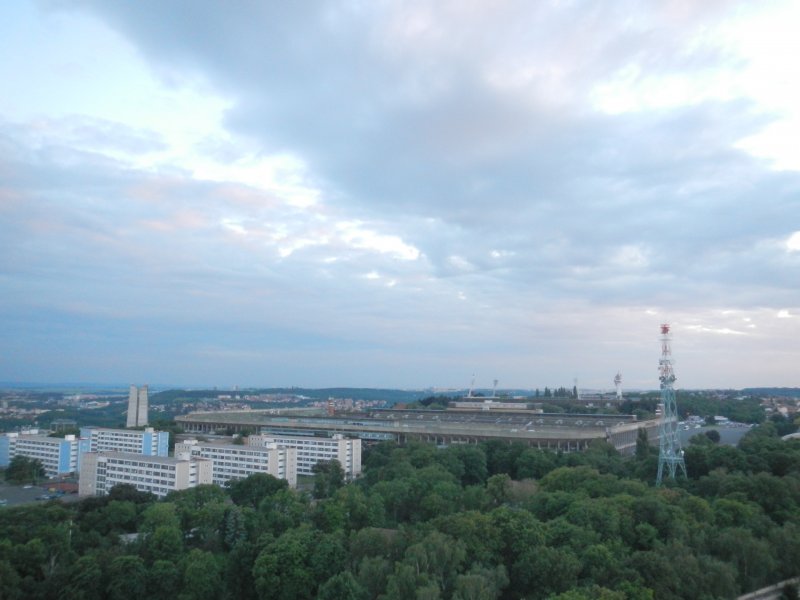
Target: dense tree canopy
(22, 469)
(470, 522)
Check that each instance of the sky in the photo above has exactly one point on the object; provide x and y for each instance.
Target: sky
(399, 194)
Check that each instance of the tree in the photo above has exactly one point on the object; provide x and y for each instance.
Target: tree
(201, 510)
(284, 510)
(790, 591)
(373, 574)
(750, 556)
(479, 532)
(234, 527)
(120, 515)
(439, 557)
(127, 491)
(127, 579)
(9, 582)
(403, 583)
(251, 490)
(165, 543)
(201, 576)
(498, 486)
(533, 463)
(517, 530)
(342, 586)
(360, 510)
(481, 584)
(328, 477)
(282, 570)
(541, 572)
(642, 444)
(239, 582)
(23, 469)
(474, 460)
(164, 580)
(594, 592)
(162, 514)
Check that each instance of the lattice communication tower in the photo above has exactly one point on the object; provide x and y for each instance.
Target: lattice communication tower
(670, 453)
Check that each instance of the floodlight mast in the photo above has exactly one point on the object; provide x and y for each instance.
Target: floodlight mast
(670, 454)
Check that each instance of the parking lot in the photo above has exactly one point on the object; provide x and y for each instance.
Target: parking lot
(16, 495)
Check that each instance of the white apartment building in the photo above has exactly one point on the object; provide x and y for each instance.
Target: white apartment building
(232, 461)
(148, 442)
(59, 456)
(311, 450)
(159, 475)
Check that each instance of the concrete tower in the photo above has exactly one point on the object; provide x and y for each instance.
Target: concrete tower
(137, 407)
(618, 385)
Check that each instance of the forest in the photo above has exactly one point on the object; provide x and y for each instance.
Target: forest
(465, 522)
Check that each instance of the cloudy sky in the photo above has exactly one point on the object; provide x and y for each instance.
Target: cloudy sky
(399, 194)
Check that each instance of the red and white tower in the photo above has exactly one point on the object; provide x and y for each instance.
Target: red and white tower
(670, 453)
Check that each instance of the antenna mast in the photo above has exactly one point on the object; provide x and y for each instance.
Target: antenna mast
(670, 452)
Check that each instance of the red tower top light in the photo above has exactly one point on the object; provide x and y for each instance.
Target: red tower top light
(665, 328)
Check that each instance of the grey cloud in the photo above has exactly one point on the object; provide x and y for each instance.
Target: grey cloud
(462, 133)
(402, 133)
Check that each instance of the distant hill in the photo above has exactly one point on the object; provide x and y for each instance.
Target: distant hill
(391, 397)
(773, 391)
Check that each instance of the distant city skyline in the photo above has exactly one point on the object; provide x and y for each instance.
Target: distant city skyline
(400, 194)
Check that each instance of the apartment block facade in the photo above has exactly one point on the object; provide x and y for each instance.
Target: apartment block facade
(311, 450)
(159, 475)
(59, 456)
(148, 442)
(232, 461)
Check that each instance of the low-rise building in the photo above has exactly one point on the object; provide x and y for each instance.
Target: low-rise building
(59, 456)
(560, 432)
(148, 442)
(159, 475)
(311, 450)
(232, 461)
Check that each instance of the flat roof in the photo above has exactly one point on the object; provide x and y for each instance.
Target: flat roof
(508, 426)
(163, 460)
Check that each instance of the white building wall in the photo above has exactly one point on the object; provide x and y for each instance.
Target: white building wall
(311, 450)
(59, 456)
(100, 471)
(232, 461)
(149, 441)
(87, 479)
